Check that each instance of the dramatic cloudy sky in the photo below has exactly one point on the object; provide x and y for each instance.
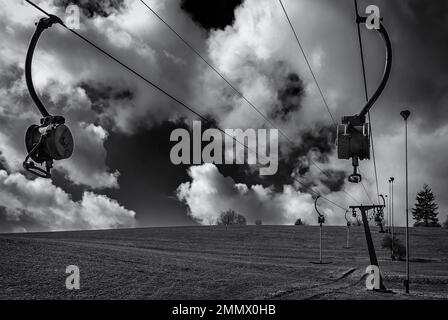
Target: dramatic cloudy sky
(120, 174)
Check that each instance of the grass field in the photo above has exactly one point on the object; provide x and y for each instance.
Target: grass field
(253, 262)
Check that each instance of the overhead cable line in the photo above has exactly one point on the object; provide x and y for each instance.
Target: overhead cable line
(215, 69)
(367, 98)
(308, 63)
(365, 190)
(312, 73)
(169, 95)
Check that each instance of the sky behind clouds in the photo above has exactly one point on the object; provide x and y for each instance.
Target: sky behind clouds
(122, 126)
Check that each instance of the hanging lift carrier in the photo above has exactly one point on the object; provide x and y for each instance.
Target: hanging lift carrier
(353, 135)
(51, 139)
(320, 221)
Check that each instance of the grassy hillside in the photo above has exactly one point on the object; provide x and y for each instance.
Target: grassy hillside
(253, 262)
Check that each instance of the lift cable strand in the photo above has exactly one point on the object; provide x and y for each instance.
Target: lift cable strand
(308, 63)
(361, 51)
(238, 92)
(313, 75)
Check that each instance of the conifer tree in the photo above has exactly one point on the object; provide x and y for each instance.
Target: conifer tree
(425, 211)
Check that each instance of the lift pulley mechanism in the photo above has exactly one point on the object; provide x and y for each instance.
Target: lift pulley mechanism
(320, 220)
(51, 139)
(353, 135)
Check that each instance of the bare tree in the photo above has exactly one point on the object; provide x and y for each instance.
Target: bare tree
(230, 217)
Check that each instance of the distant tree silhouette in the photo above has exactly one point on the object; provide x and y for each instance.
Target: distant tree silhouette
(425, 211)
(299, 222)
(230, 217)
(379, 219)
(398, 250)
(358, 222)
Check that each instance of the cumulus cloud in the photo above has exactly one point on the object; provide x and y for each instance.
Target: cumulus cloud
(209, 193)
(50, 208)
(87, 167)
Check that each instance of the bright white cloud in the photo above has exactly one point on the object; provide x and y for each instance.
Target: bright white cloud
(209, 193)
(50, 208)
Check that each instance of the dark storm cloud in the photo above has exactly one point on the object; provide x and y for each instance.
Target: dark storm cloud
(10, 75)
(148, 179)
(290, 96)
(420, 73)
(320, 141)
(102, 95)
(216, 14)
(334, 179)
(102, 8)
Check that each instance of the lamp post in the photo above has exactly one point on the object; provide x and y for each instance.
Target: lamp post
(387, 214)
(405, 114)
(391, 181)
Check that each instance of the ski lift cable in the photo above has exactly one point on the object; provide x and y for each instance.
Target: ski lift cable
(365, 189)
(367, 97)
(168, 94)
(313, 75)
(308, 64)
(238, 92)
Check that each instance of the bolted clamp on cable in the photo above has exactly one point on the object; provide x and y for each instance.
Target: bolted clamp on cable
(51, 139)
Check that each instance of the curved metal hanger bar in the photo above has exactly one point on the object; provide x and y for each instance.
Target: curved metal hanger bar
(315, 207)
(384, 201)
(388, 65)
(43, 24)
(320, 218)
(346, 219)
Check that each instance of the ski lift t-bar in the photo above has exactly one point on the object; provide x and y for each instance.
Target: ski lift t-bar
(321, 217)
(353, 136)
(51, 140)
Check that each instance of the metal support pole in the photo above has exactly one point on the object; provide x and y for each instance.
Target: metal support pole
(392, 215)
(405, 114)
(348, 236)
(387, 215)
(370, 246)
(320, 244)
(390, 210)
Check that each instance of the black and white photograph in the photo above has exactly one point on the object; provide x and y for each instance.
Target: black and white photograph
(224, 156)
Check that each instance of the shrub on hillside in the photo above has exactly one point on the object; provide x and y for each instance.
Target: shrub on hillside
(445, 224)
(429, 224)
(395, 245)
